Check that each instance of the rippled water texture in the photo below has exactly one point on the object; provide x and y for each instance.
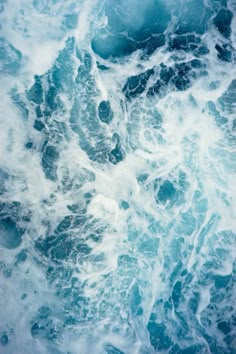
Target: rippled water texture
(117, 176)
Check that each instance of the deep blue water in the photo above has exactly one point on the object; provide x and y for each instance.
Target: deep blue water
(117, 176)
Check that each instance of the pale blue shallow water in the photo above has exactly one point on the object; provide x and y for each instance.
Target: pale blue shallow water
(117, 176)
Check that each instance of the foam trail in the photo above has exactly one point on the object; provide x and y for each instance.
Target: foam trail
(117, 177)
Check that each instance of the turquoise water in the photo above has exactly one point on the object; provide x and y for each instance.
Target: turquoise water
(117, 176)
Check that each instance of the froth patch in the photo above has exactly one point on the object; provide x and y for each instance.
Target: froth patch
(43, 56)
(105, 208)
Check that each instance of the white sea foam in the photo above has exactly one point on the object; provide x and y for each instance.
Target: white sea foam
(131, 270)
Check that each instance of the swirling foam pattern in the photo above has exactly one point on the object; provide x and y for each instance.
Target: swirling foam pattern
(117, 176)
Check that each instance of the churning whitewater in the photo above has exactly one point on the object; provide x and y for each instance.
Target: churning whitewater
(117, 176)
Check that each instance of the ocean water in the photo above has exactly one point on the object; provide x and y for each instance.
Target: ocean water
(117, 176)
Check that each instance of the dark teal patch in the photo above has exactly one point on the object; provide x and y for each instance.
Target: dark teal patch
(104, 112)
(4, 339)
(222, 21)
(35, 94)
(49, 162)
(158, 336)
